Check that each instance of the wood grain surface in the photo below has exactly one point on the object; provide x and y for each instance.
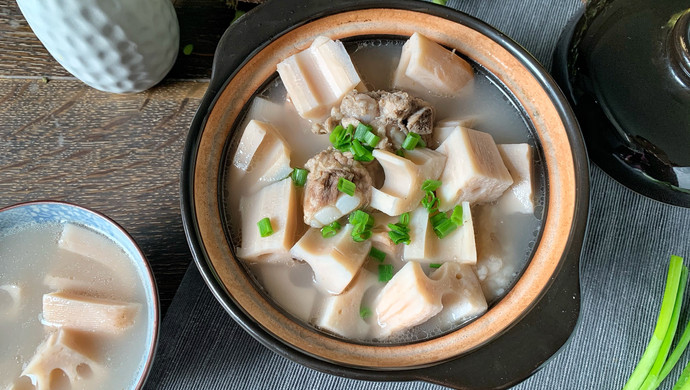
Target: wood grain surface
(117, 154)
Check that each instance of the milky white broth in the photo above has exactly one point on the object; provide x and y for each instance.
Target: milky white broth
(292, 286)
(31, 252)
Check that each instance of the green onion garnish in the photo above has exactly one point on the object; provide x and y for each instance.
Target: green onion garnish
(434, 265)
(188, 49)
(361, 225)
(400, 152)
(359, 217)
(265, 228)
(347, 187)
(371, 139)
(431, 185)
(377, 254)
(405, 218)
(330, 230)
(299, 176)
(411, 141)
(421, 143)
(364, 312)
(341, 138)
(442, 225)
(361, 153)
(361, 131)
(400, 232)
(456, 217)
(431, 202)
(385, 272)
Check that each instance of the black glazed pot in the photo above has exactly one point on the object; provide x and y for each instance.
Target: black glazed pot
(531, 323)
(625, 67)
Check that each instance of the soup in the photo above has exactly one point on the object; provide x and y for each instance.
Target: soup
(370, 263)
(72, 310)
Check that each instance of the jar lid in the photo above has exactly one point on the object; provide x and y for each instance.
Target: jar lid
(625, 66)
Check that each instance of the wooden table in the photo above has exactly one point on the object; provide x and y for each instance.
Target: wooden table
(117, 154)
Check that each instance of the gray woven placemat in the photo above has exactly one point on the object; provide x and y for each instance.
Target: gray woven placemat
(623, 269)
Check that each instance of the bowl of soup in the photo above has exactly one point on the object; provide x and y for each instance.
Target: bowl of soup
(78, 303)
(388, 191)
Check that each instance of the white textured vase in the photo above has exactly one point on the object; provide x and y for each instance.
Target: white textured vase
(121, 46)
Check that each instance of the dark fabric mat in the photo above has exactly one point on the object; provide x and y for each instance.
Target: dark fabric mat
(623, 268)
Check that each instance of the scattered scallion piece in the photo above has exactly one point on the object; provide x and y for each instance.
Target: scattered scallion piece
(385, 272)
(265, 228)
(330, 230)
(360, 153)
(445, 228)
(361, 131)
(361, 225)
(431, 185)
(431, 202)
(442, 225)
(400, 152)
(639, 374)
(377, 254)
(411, 141)
(371, 139)
(456, 217)
(400, 232)
(347, 187)
(299, 176)
(364, 312)
(442, 2)
(434, 265)
(188, 49)
(341, 138)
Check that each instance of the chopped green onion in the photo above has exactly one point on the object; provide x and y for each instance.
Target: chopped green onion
(360, 218)
(434, 265)
(431, 185)
(359, 236)
(421, 143)
(442, 2)
(330, 230)
(347, 187)
(456, 217)
(361, 131)
(399, 233)
(341, 138)
(371, 139)
(364, 312)
(385, 272)
(265, 228)
(377, 254)
(638, 376)
(431, 202)
(299, 176)
(188, 49)
(411, 141)
(361, 225)
(442, 225)
(405, 218)
(361, 153)
(400, 152)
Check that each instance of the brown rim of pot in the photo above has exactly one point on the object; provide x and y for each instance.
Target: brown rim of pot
(545, 118)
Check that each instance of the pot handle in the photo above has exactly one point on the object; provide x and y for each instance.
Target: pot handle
(515, 355)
